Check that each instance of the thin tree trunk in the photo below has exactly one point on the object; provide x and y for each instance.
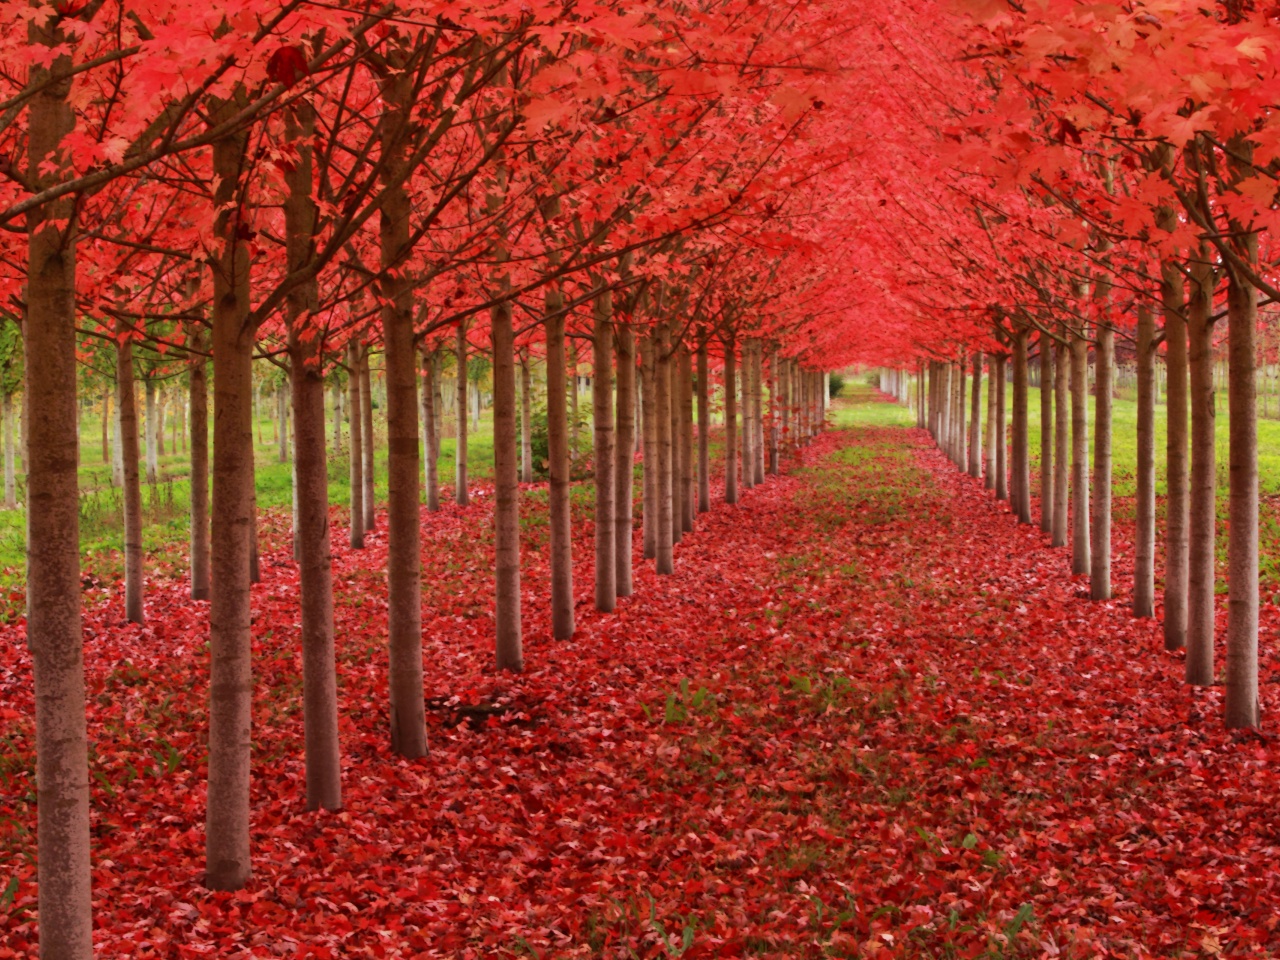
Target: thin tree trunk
(160, 411)
(677, 449)
(624, 471)
(198, 380)
(404, 530)
(1241, 706)
(975, 420)
(337, 414)
(1021, 431)
(368, 475)
(757, 414)
(227, 860)
(506, 482)
(648, 422)
(153, 464)
(106, 426)
(1100, 566)
(1046, 433)
(526, 416)
(662, 434)
(431, 442)
(574, 416)
(311, 484)
(730, 424)
(133, 560)
(1061, 442)
(1081, 562)
(559, 468)
(460, 453)
(1002, 440)
(688, 489)
(54, 629)
(1177, 497)
(1202, 502)
(357, 446)
(994, 387)
(1144, 571)
(704, 430)
(602, 416)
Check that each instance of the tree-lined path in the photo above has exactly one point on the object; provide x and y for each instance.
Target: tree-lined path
(867, 715)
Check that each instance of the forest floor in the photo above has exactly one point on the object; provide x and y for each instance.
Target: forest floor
(868, 716)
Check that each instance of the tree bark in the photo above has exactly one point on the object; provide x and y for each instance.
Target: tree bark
(662, 435)
(404, 529)
(227, 862)
(133, 560)
(1046, 433)
(1021, 432)
(1061, 442)
(757, 414)
(311, 481)
(773, 412)
(1202, 502)
(526, 415)
(1002, 441)
(676, 466)
(198, 410)
(356, 459)
(430, 441)
(731, 424)
(624, 470)
(559, 468)
(54, 630)
(1144, 583)
(994, 387)
(688, 489)
(1081, 561)
(975, 420)
(1177, 497)
(460, 453)
(651, 482)
(602, 416)
(368, 474)
(1100, 546)
(1241, 706)
(704, 430)
(506, 480)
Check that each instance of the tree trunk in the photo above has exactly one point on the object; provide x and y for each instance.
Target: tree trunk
(227, 862)
(730, 424)
(312, 547)
(975, 420)
(1177, 497)
(994, 386)
(368, 475)
(674, 394)
(624, 470)
(559, 468)
(404, 516)
(688, 489)
(1021, 432)
(153, 463)
(773, 412)
(651, 482)
(1241, 706)
(1202, 502)
(1144, 571)
(506, 483)
(357, 446)
(602, 416)
(1046, 433)
(1061, 442)
(199, 412)
(117, 449)
(106, 427)
(1081, 562)
(662, 434)
(526, 416)
(54, 630)
(460, 453)
(704, 430)
(337, 414)
(757, 413)
(133, 560)
(1002, 440)
(430, 441)
(160, 411)
(1100, 566)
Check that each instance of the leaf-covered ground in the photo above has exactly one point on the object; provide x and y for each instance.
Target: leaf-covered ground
(868, 716)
